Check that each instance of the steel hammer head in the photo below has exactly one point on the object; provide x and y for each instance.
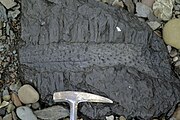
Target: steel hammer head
(69, 96)
(73, 98)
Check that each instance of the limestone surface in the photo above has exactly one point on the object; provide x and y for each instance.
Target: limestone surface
(88, 46)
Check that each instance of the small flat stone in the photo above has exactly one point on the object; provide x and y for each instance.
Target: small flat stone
(118, 3)
(6, 95)
(8, 117)
(130, 5)
(154, 24)
(3, 16)
(13, 14)
(15, 86)
(27, 94)
(176, 114)
(149, 3)
(8, 3)
(142, 10)
(122, 118)
(163, 9)
(110, 117)
(177, 64)
(14, 116)
(175, 59)
(171, 33)
(25, 113)
(35, 105)
(15, 100)
(178, 1)
(52, 113)
(173, 53)
(2, 111)
(169, 48)
(10, 108)
(4, 104)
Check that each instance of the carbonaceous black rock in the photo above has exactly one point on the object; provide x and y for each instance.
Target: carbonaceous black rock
(89, 46)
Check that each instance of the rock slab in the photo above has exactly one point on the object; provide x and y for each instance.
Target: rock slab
(90, 46)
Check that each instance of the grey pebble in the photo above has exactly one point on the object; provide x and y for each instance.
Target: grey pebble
(35, 105)
(177, 64)
(2, 111)
(25, 113)
(52, 113)
(175, 59)
(173, 53)
(3, 16)
(178, 1)
(142, 10)
(7, 117)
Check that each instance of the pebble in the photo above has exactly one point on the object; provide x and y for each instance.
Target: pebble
(130, 5)
(27, 94)
(52, 113)
(173, 53)
(15, 86)
(13, 14)
(25, 113)
(15, 100)
(8, 117)
(171, 33)
(122, 118)
(154, 24)
(1, 118)
(177, 64)
(178, 1)
(3, 16)
(35, 105)
(176, 113)
(175, 59)
(149, 3)
(2, 111)
(6, 95)
(8, 3)
(10, 108)
(142, 10)
(110, 117)
(118, 3)
(169, 48)
(14, 115)
(163, 9)
(4, 104)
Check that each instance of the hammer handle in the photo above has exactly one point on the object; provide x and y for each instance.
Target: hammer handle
(73, 110)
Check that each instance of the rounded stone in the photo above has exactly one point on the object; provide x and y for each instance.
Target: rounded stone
(122, 118)
(171, 33)
(25, 113)
(27, 94)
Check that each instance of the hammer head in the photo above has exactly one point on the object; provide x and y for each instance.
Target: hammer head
(77, 97)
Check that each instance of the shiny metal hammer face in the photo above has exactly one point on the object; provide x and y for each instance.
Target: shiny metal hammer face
(74, 98)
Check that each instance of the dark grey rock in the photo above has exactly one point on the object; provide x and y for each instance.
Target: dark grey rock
(88, 46)
(2, 111)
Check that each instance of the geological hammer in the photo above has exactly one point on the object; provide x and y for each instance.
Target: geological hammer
(74, 98)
